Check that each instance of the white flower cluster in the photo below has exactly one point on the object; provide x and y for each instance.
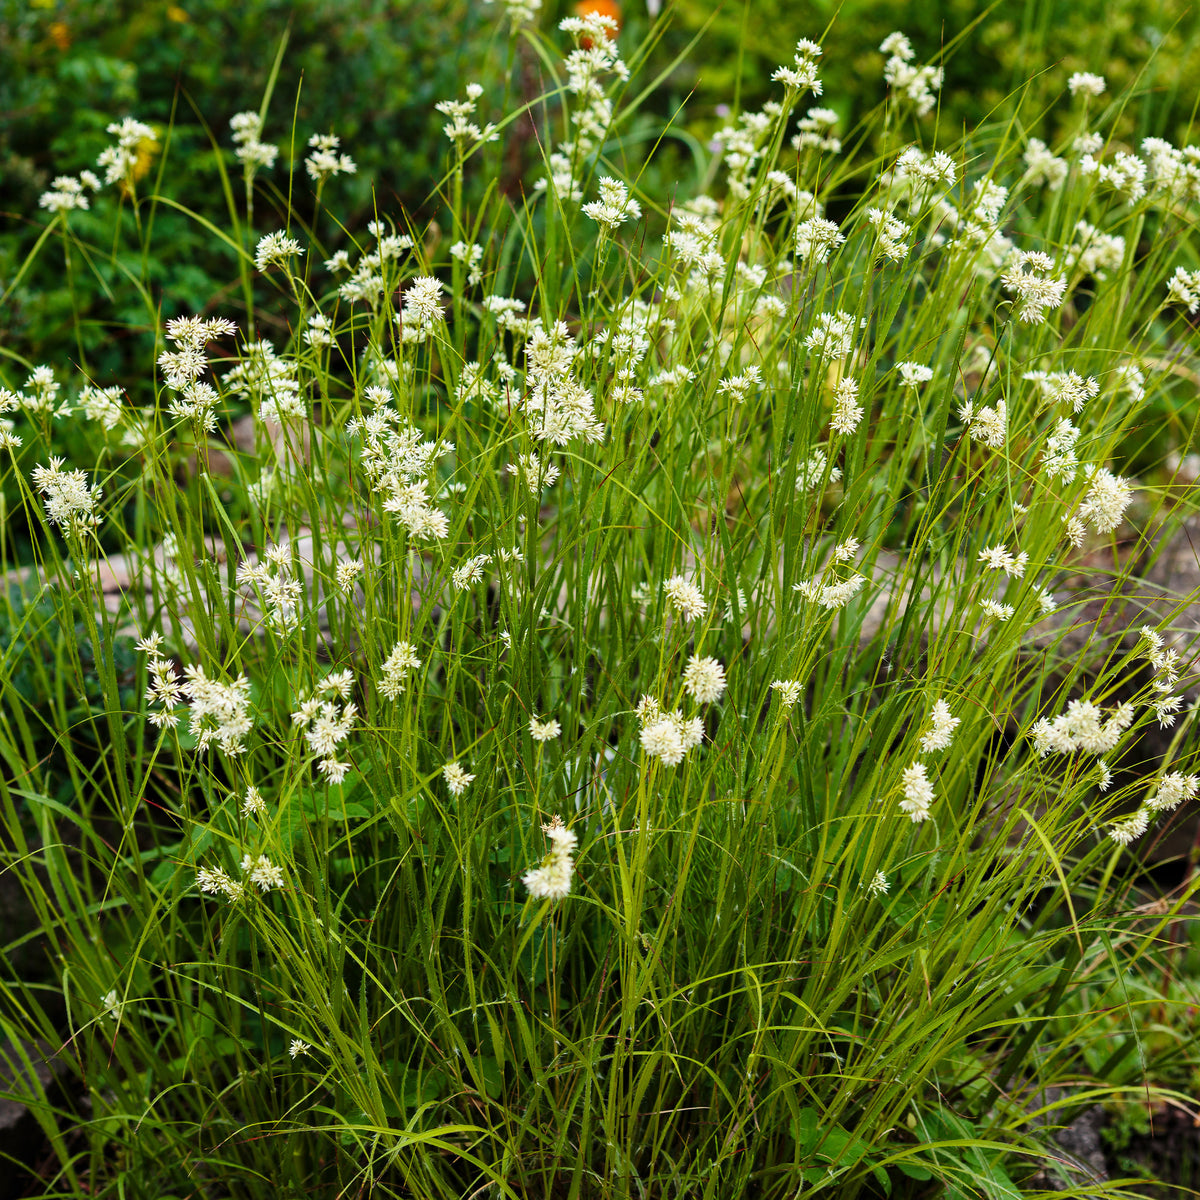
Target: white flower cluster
(1087, 83)
(1083, 727)
(667, 736)
(1131, 828)
(685, 597)
(1125, 175)
(120, 162)
(1043, 167)
(325, 161)
(1064, 387)
(261, 872)
(976, 226)
(614, 206)
(463, 133)
(742, 145)
(1173, 790)
(996, 610)
(69, 500)
(942, 724)
(985, 202)
(917, 83)
(101, 404)
(552, 880)
(738, 387)
(789, 692)
(470, 572)
(1184, 289)
(1104, 505)
(511, 315)
(692, 242)
(257, 869)
(265, 376)
(561, 408)
(319, 331)
(367, 279)
(66, 192)
(164, 687)
(917, 174)
(816, 133)
(275, 249)
(395, 669)
(398, 463)
(1174, 173)
(195, 400)
(457, 779)
(1166, 674)
(253, 805)
(847, 412)
(918, 792)
(252, 152)
(591, 67)
(815, 238)
(218, 712)
(1058, 455)
(326, 724)
(999, 558)
(1031, 280)
(802, 73)
(217, 882)
(704, 679)
(989, 425)
(890, 234)
(832, 334)
(470, 254)
(280, 590)
(624, 345)
(422, 309)
(519, 11)
(537, 472)
(912, 375)
(40, 396)
(815, 472)
(544, 731)
(839, 592)
(1094, 253)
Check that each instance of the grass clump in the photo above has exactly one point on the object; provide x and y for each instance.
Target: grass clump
(615, 710)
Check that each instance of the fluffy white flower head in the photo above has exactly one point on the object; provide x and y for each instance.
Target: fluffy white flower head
(1087, 83)
(704, 679)
(614, 206)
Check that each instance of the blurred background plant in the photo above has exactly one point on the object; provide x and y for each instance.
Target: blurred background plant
(990, 49)
(370, 72)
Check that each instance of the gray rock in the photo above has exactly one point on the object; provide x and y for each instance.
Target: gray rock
(29, 1071)
(1082, 1160)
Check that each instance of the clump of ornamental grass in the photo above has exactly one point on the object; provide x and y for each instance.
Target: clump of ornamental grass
(609, 731)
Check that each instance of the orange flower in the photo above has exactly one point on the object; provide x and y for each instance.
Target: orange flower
(606, 8)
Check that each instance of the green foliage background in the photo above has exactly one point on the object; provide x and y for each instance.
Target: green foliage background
(993, 52)
(372, 71)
